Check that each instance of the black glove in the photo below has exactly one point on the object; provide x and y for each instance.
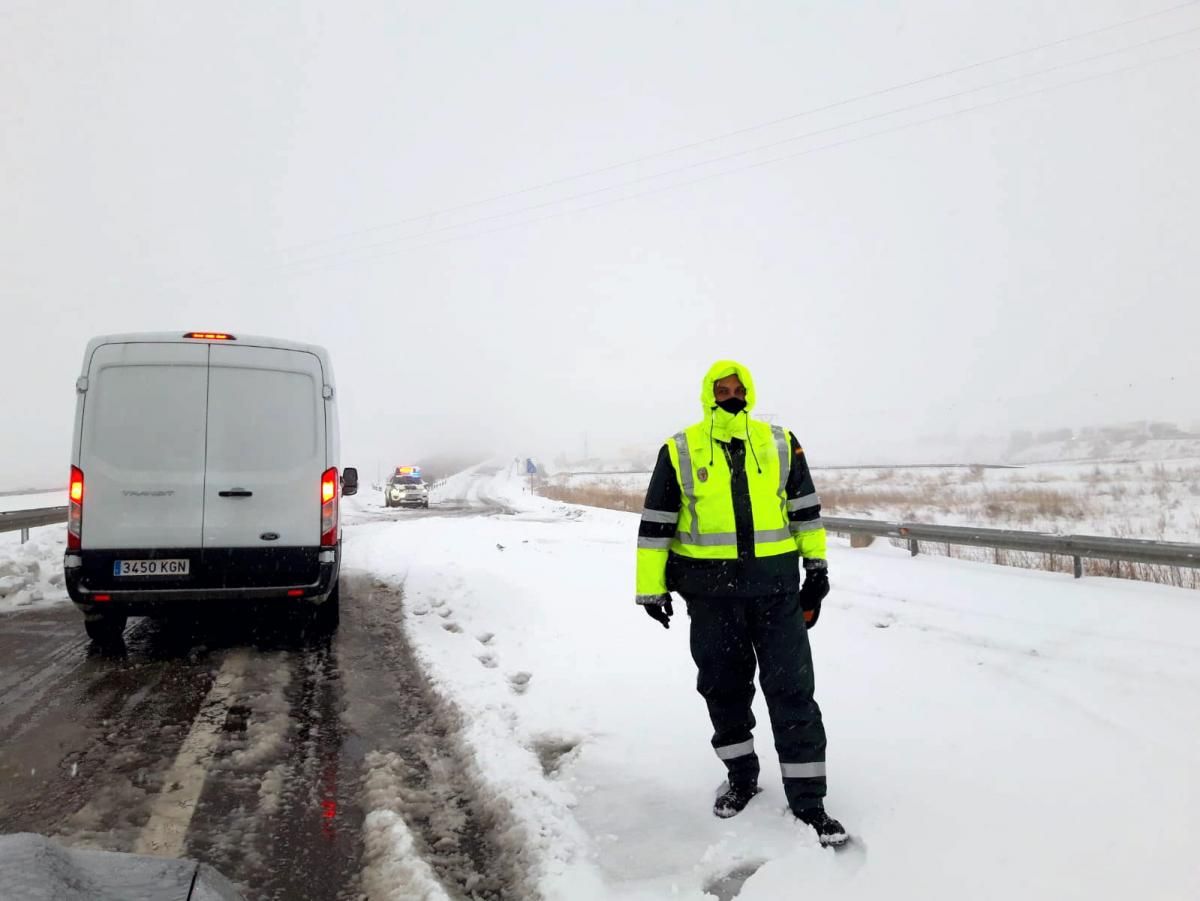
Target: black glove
(812, 592)
(660, 610)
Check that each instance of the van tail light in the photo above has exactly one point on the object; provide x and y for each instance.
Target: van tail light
(75, 511)
(329, 508)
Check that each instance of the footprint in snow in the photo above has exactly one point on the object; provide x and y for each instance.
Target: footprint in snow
(519, 682)
(726, 886)
(452, 627)
(485, 637)
(488, 659)
(551, 749)
(438, 602)
(444, 612)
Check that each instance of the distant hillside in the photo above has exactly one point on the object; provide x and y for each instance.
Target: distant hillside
(1103, 448)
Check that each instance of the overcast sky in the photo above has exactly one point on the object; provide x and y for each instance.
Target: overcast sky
(396, 181)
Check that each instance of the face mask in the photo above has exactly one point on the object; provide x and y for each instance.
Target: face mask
(732, 405)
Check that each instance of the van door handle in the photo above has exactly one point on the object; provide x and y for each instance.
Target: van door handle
(236, 492)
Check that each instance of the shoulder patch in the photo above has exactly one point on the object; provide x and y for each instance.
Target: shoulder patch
(799, 451)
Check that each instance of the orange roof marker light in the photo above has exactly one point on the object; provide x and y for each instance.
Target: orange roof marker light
(210, 336)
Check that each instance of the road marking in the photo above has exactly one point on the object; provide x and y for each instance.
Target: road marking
(171, 811)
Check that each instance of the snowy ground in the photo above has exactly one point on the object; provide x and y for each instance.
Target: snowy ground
(994, 733)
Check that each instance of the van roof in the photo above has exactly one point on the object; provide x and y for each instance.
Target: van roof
(178, 338)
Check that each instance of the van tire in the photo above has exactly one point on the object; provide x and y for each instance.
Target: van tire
(327, 616)
(105, 629)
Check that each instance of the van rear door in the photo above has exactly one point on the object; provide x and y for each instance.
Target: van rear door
(266, 448)
(142, 445)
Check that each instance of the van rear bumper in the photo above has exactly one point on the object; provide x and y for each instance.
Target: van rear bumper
(292, 574)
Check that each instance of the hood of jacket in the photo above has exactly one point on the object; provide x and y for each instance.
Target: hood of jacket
(722, 425)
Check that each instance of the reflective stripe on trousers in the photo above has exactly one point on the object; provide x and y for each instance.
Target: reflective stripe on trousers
(803, 770)
(741, 749)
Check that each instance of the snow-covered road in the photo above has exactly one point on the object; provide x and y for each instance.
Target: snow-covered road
(994, 732)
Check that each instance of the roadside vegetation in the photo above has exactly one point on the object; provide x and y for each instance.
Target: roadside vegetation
(1156, 501)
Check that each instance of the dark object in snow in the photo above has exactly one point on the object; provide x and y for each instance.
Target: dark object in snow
(830, 832)
(33, 868)
(732, 799)
(499, 546)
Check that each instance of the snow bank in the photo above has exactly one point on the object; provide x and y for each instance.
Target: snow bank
(31, 574)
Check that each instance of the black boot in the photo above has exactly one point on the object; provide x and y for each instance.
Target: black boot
(732, 799)
(829, 831)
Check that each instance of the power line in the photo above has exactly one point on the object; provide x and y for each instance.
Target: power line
(742, 131)
(333, 255)
(301, 266)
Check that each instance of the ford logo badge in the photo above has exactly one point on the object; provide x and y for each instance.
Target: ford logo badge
(269, 536)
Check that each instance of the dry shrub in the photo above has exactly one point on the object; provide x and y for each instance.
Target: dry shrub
(1002, 505)
(838, 498)
(593, 495)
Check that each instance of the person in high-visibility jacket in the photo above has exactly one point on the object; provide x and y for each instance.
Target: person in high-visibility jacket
(730, 513)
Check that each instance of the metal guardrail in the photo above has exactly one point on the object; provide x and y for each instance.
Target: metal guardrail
(1078, 547)
(31, 519)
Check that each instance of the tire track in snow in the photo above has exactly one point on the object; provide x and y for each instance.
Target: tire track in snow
(423, 789)
(82, 763)
(280, 813)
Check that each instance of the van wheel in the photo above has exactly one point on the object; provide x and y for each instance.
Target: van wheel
(327, 616)
(105, 628)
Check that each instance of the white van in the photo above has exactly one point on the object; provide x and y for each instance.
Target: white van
(205, 467)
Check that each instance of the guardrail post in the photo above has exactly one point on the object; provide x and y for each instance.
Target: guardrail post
(914, 547)
(1078, 567)
(24, 535)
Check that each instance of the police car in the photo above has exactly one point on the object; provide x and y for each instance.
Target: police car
(406, 488)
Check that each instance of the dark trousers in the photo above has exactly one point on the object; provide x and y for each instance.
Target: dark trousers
(728, 636)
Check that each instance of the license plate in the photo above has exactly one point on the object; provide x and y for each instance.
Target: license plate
(151, 567)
